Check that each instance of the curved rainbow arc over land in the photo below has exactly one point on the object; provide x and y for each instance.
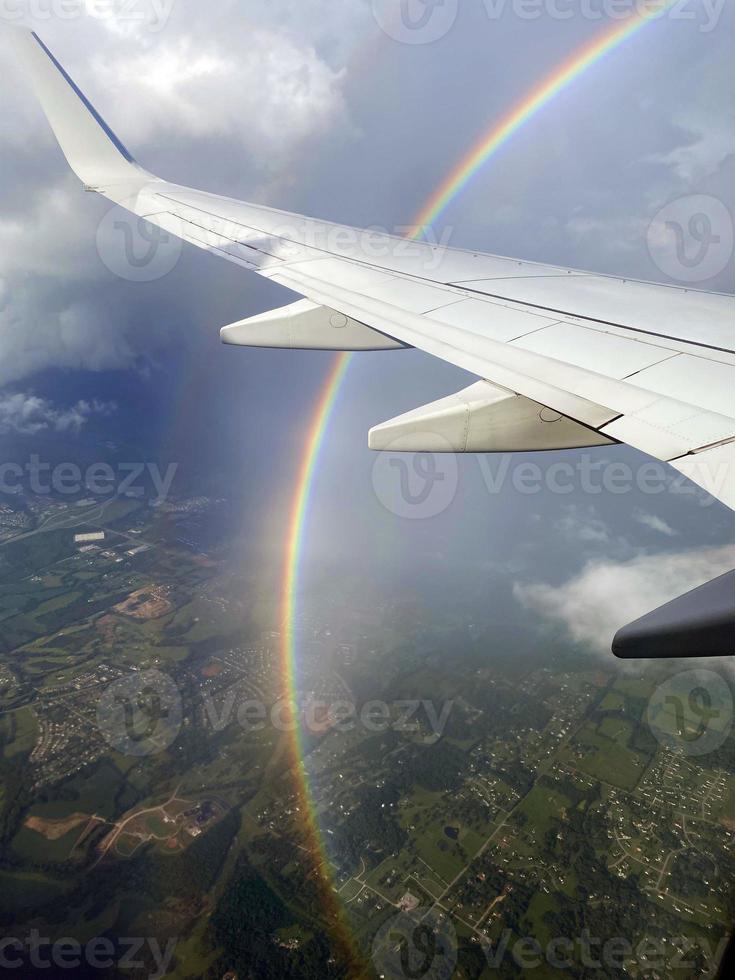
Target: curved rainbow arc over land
(551, 86)
(329, 393)
(297, 524)
(298, 518)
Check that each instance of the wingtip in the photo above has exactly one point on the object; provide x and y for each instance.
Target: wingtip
(698, 624)
(15, 31)
(92, 149)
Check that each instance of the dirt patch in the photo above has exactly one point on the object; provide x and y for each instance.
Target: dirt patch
(56, 829)
(212, 670)
(202, 560)
(150, 602)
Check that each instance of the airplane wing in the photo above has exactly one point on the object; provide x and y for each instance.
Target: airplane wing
(566, 359)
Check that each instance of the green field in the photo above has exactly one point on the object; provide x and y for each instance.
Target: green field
(606, 758)
(21, 729)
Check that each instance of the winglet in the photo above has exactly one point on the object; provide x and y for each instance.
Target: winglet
(93, 151)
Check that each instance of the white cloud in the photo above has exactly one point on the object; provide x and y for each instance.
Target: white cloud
(624, 234)
(584, 525)
(27, 414)
(581, 525)
(655, 523)
(607, 595)
(268, 95)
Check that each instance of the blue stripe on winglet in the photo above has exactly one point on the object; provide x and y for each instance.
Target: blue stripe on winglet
(96, 116)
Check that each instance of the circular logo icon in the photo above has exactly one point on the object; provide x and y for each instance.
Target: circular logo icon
(691, 712)
(419, 944)
(415, 21)
(691, 239)
(134, 249)
(141, 714)
(413, 485)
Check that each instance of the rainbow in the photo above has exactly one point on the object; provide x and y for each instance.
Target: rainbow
(501, 132)
(457, 180)
(297, 523)
(298, 518)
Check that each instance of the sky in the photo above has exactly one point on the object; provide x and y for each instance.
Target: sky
(326, 109)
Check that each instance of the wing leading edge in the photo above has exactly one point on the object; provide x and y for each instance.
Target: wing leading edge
(566, 358)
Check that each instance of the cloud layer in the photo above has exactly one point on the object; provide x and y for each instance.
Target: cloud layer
(202, 93)
(607, 595)
(28, 414)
